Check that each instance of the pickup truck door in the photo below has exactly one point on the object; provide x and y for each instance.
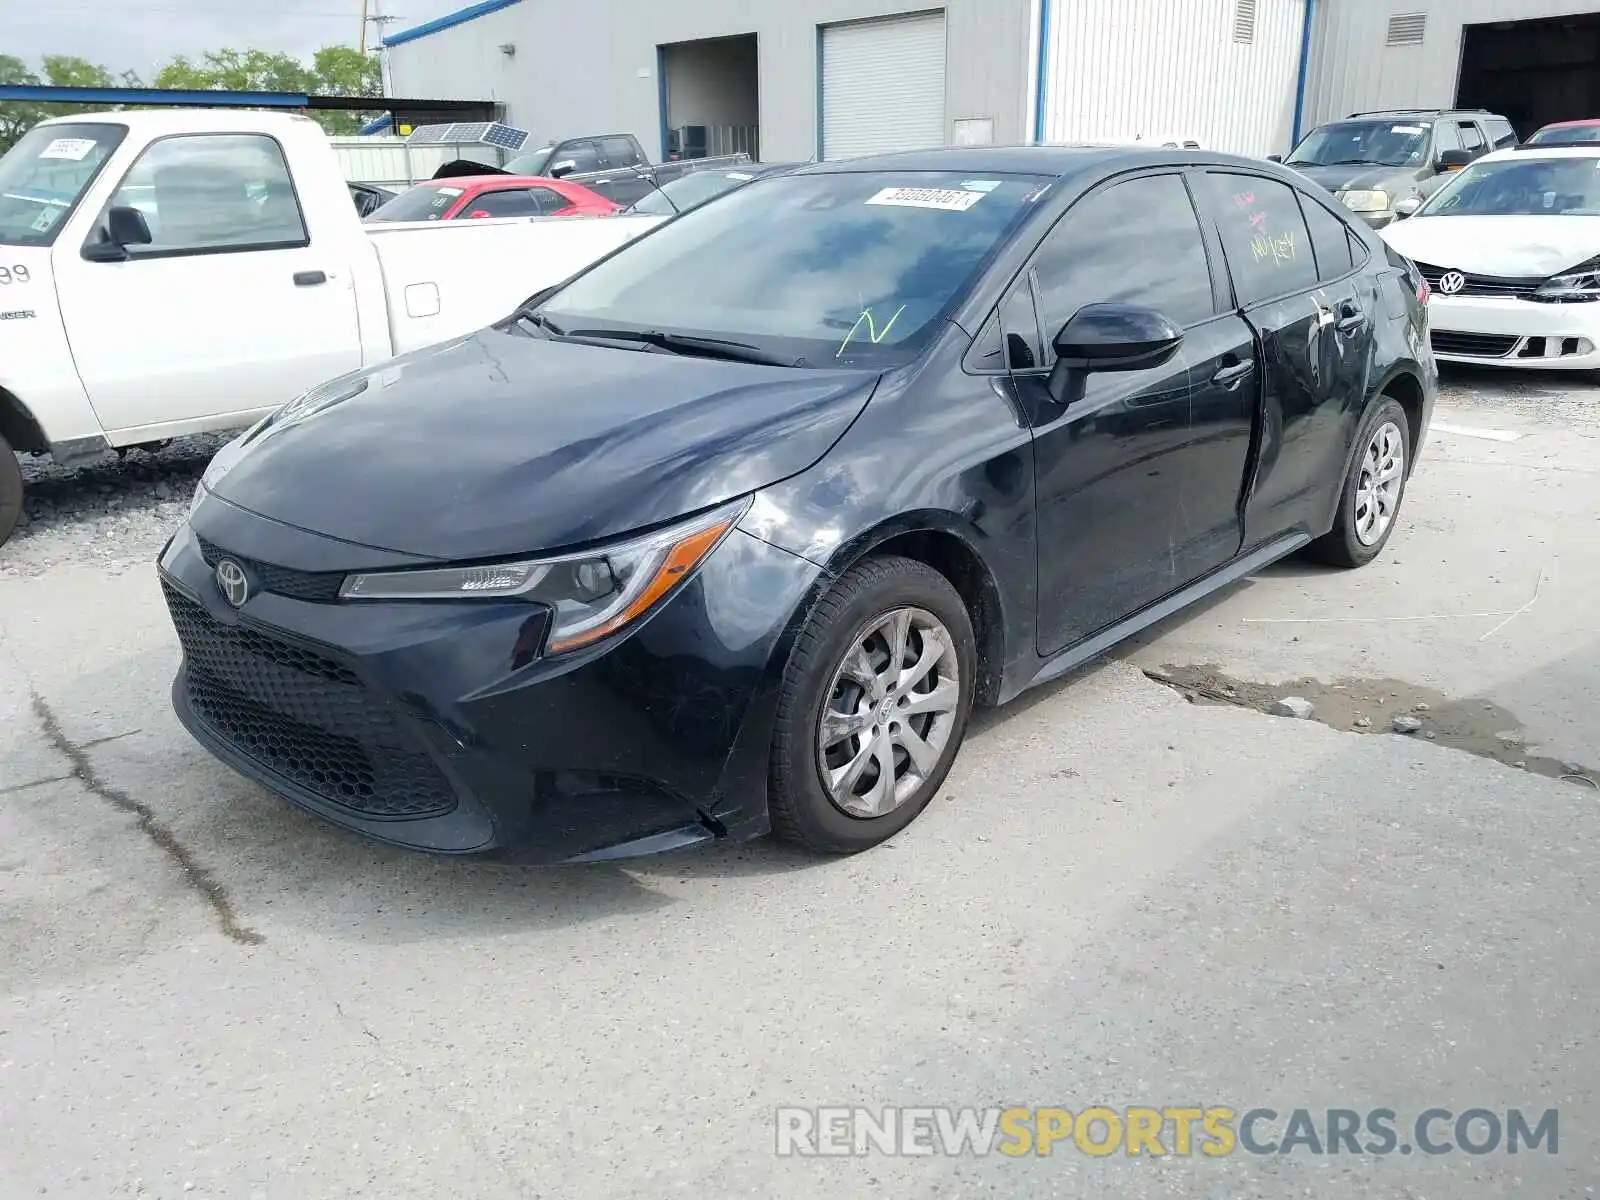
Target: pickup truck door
(232, 306)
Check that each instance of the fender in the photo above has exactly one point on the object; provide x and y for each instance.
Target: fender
(1408, 370)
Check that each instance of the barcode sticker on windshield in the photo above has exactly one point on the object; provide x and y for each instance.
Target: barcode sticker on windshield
(76, 149)
(947, 199)
(1407, 129)
(445, 191)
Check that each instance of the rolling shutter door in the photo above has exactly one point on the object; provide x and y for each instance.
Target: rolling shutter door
(883, 86)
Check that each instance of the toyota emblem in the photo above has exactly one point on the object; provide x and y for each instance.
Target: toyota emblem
(1452, 282)
(233, 582)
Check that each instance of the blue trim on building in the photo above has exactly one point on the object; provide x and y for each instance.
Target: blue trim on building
(661, 99)
(114, 95)
(821, 29)
(1041, 87)
(449, 21)
(1305, 67)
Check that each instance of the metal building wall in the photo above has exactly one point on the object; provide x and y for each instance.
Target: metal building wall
(1352, 69)
(591, 67)
(1116, 69)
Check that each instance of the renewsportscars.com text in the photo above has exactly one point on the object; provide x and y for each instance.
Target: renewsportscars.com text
(1210, 1131)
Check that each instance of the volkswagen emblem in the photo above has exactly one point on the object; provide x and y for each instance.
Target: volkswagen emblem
(233, 582)
(1452, 282)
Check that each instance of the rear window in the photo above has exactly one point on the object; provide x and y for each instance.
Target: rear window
(418, 204)
(687, 191)
(46, 173)
(1567, 135)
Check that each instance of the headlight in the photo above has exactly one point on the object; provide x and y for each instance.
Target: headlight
(1581, 283)
(594, 594)
(1364, 201)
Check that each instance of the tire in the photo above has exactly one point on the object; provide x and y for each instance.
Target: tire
(1358, 536)
(864, 610)
(10, 491)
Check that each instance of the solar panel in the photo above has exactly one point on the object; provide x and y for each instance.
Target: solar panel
(485, 133)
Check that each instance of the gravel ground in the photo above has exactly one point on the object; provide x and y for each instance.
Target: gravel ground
(116, 510)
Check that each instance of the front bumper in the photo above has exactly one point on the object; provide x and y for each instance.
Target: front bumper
(1504, 331)
(439, 726)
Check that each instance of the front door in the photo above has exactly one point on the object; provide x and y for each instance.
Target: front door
(1136, 497)
(1300, 278)
(230, 309)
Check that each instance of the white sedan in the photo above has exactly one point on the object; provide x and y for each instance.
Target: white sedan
(1511, 250)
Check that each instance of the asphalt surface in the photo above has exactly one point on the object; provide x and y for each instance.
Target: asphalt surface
(1123, 898)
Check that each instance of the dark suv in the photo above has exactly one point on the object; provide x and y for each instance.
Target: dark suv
(1385, 164)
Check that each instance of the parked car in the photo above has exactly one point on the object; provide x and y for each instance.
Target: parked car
(166, 273)
(613, 164)
(477, 196)
(1566, 133)
(730, 531)
(690, 191)
(1511, 248)
(368, 197)
(1375, 161)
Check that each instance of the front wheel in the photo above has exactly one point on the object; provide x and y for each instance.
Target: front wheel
(1369, 501)
(873, 707)
(10, 491)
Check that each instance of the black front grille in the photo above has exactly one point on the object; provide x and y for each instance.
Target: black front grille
(303, 716)
(320, 586)
(1473, 345)
(1480, 285)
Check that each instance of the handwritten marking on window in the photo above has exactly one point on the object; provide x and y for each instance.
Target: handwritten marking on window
(874, 334)
(1278, 250)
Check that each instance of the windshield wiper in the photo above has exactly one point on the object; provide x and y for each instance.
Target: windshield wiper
(685, 344)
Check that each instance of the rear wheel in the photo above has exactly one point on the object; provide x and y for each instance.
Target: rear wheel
(1369, 503)
(10, 491)
(873, 707)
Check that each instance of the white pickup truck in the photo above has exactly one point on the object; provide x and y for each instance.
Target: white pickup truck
(173, 272)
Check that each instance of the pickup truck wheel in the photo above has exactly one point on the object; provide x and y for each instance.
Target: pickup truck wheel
(10, 490)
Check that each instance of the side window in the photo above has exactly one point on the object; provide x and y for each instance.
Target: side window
(515, 203)
(1330, 239)
(213, 192)
(1359, 253)
(1445, 138)
(619, 152)
(1137, 242)
(547, 201)
(1264, 235)
(583, 154)
(1501, 131)
(1471, 139)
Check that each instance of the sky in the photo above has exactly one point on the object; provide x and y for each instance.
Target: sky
(130, 34)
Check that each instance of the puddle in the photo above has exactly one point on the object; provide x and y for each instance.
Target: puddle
(1371, 705)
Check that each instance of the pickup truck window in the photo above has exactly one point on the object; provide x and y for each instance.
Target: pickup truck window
(620, 152)
(217, 193)
(44, 175)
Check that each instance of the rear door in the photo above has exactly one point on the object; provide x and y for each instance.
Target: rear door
(1139, 474)
(232, 308)
(1294, 272)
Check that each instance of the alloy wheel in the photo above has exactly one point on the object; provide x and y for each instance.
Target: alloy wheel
(889, 713)
(1383, 468)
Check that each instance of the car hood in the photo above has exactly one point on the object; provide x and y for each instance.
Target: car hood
(501, 443)
(1345, 176)
(1509, 247)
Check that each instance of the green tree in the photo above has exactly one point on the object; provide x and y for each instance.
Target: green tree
(334, 71)
(60, 70)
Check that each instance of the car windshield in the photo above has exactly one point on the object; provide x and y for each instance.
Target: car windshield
(688, 191)
(1566, 135)
(425, 202)
(847, 269)
(1393, 143)
(1533, 187)
(45, 174)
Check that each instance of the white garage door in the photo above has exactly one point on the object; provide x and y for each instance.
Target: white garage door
(883, 86)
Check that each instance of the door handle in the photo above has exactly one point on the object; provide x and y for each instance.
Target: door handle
(1229, 375)
(309, 278)
(1351, 319)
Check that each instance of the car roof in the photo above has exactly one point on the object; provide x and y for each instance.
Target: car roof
(1544, 150)
(1585, 123)
(1058, 161)
(473, 181)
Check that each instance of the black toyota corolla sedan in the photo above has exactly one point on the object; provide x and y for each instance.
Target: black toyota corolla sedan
(731, 531)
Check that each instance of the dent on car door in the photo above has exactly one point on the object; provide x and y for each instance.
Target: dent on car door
(1314, 321)
(1136, 498)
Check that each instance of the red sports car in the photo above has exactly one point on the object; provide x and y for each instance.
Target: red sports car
(1567, 133)
(493, 196)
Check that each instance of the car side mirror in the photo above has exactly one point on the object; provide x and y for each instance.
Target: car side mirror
(1453, 160)
(563, 168)
(1406, 207)
(1275, 158)
(124, 226)
(1112, 337)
